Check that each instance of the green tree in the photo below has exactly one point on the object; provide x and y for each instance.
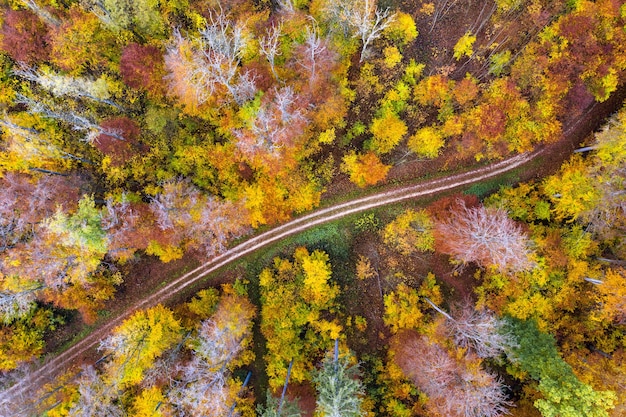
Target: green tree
(564, 395)
(339, 390)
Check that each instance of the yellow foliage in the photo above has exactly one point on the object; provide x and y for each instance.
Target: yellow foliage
(411, 231)
(147, 402)
(427, 142)
(387, 130)
(402, 29)
(464, 46)
(392, 56)
(165, 254)
(364, 169)
(402, 309)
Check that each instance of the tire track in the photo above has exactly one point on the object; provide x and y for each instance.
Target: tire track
(29, 384)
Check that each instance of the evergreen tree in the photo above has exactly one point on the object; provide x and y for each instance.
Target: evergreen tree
(339, 390)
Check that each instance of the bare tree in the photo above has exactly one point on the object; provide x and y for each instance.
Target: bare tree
(43, 14)
(269, 46)
(361, 17)
(76, 121)
(212, 65)
(455, 388)
(14, 304)
(314, 46)
(486, 236)
(203, 385)
(63, 85)
(97, 398)
(31, 144)
(478, 330)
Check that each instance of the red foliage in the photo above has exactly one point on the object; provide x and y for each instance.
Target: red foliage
(24, 36)
(439, 209)
(142, 67)
(120, 151)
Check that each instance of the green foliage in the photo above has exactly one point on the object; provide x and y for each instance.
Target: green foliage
(564, 395)
(499, 62)
(288, 408)
(339, 389)
(368, 222)
(83, 229)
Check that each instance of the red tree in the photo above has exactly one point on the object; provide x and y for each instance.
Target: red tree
(24, 36)
(142, 67)
(119, 150)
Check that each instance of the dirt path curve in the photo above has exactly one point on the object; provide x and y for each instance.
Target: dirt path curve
(56, 365)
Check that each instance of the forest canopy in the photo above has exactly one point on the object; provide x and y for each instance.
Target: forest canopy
(145, 132)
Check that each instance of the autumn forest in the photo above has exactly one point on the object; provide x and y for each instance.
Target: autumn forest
(141, 139)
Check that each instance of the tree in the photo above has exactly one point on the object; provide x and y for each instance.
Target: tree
(564, 395)
(478, 330)
(191, 218)
(464, 45)
(142, 67)
(96, 397)
(363, 18)
(427, 142)
(75, 120)
(80, 42)
(28, 149)
(203, 387)
(339, 391)
(269, 46)
(198, 73)
(364, 169)
(141, 16)
(294, 295)
(455, 387)
(411, 231)
(24, 36)
(314, 55)
(137, 342)
(387, 130)
(274, 128)
(483, 235)
(275, 407)
(76, 87)
(23, 340)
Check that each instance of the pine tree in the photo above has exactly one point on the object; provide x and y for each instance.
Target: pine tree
(339, 391)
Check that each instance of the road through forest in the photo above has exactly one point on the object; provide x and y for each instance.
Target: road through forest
(26, 387)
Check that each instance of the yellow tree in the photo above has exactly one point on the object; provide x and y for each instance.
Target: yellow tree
(136, 343)
(411, 231)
